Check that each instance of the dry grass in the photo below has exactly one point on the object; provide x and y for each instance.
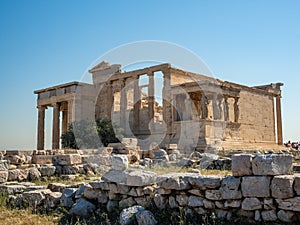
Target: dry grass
(78, 179)
(24, 217)
(173, 169)
(222, 173)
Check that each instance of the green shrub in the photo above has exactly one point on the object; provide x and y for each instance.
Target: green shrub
(87, 134)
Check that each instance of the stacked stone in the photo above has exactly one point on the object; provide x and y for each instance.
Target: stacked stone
(18, 158)
(43, 157)
(268, 190)
(4, 165)
(261, 188)
(32, 165)
(68, 165)
(129, 147)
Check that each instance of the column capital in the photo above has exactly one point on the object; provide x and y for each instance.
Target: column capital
(41, 107)
(55, 104)
(150, 73)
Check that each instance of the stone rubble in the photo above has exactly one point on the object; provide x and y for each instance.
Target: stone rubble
(269, 196)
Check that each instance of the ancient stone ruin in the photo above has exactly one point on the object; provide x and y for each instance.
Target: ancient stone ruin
(164, 105)
(262, 188)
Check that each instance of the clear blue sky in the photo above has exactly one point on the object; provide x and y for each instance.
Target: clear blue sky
(43, 43)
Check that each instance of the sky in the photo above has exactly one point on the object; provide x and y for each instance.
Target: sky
(44, 43)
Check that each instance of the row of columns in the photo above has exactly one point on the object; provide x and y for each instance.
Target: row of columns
(67, 115)
(123, 88)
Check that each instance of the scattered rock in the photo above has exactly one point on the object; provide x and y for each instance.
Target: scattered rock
(33, 174)
(272, 164)
(47, 170)
(119, 162)
(3, 176)
(67, 197)
(83, 208)
(145, 217)
(4, 165)
(128, 215)
(67, 159)
(18, 175)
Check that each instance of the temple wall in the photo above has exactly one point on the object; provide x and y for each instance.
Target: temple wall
(256, 117)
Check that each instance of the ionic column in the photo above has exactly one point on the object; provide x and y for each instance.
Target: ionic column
(70, 112)
(41, 128)
(55, 128)
(110, 99)
(151, 97)
(279, 120)
(123, 105)
(65, 118)
(167, 106)
(236, 110)
(137, 104)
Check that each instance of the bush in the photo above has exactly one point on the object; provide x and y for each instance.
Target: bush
(86, 134)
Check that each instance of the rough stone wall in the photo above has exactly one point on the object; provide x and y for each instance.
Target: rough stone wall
(261, 189)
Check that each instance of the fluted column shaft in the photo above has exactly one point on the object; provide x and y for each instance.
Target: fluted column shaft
(41, 128)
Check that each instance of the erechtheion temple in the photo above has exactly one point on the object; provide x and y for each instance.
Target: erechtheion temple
(170, 106)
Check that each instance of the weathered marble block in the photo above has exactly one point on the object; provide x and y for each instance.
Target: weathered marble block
(269, 215)
(297, 184)
(130, 142)
(230, 188)
(232, 204)
(3, 176)
(141, 178)
(98, 159)
(47, 170)
(115, 176)
(256, 186)
(42, 159)
(119, 162)
(213, 195)
(285, 216)
(100, 184)
(177, 181)
(272, 164)
(68, 159)
(195, 201)
(292, 204)
(203, 182)
(251, 204)
(282, 186)
(4, 165)
(241, 164)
